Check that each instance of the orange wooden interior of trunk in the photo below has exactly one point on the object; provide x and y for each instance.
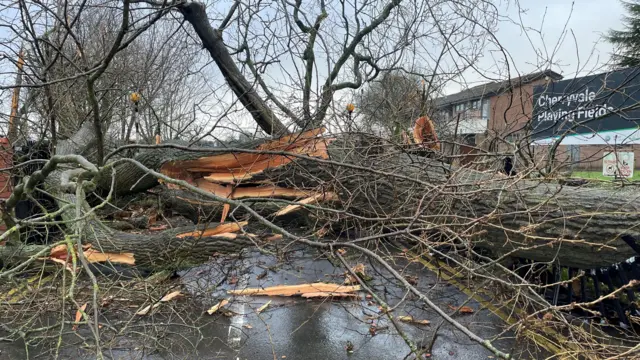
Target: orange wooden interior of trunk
(230, 175)
(221, 230)
(424, 133)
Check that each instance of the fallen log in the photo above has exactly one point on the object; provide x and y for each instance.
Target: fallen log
(544, 221)
(170, 249)
(382, 185)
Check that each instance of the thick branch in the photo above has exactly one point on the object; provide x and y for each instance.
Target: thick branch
(195, 14)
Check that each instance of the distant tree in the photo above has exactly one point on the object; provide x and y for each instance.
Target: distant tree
(627, 41)
(391, 104)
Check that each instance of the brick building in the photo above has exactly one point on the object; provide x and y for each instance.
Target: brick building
(488, 117)
(6, 161)
(494, 117)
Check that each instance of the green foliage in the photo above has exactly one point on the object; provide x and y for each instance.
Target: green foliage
(597, 175)
(627, 41)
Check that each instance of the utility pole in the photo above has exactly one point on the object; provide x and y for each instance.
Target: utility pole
(15, 100)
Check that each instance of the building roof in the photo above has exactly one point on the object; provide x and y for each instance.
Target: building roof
(493, 88)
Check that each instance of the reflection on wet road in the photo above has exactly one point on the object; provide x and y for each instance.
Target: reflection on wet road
(297, 328)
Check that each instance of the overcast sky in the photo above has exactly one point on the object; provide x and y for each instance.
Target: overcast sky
(565, 35)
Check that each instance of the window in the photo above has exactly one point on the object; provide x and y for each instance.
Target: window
(469, 139)
(485, 109)
(475, 105)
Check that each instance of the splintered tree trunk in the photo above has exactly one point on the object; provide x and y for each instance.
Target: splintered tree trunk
(174, 248)
(356, 179)
(170, 249)
(577, 227)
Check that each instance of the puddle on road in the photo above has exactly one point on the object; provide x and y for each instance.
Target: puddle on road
(321, 329)
(296, 328)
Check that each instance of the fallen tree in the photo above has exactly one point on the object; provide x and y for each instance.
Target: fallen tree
(335, 192)
(543, 221)
(68, 171)
(347, 178)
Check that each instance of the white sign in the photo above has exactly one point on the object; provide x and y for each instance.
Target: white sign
(618, 164)
(615, 137)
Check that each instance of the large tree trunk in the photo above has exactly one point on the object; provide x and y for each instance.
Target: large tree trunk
(376, 185)
(171, 249)
(174, 248)
(543, 221)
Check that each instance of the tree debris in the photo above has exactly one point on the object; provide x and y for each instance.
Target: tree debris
(358, 270)
(217, 307)
(410, 319)
(328, 196)
(78, 316)
(168, 297)
(220, 230)
(172, 295)
(461, 310)
(322, 294)
(263, 307)
(424, 133)
(294, 290)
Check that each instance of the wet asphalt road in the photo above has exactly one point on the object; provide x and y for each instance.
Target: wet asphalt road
(296, 328)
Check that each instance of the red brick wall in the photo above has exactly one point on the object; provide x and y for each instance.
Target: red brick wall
(5, 176)
(509, 113)
(511, 110)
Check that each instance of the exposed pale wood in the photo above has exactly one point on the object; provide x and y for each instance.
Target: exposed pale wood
(328, 196)
(120, 258)
(267, 191)
(240, 167)
(424, 132)
(328, 294)
(217, 307)
(291, 290)
(220, 229)
(257, 191)
(15, 98)
(225, 212)
(285, 142)
(411, 319)
(61, 252)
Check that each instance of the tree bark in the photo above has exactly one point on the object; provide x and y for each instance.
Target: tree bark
(173, 248)
(376, 186)
(543, 221)
(163, 250)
